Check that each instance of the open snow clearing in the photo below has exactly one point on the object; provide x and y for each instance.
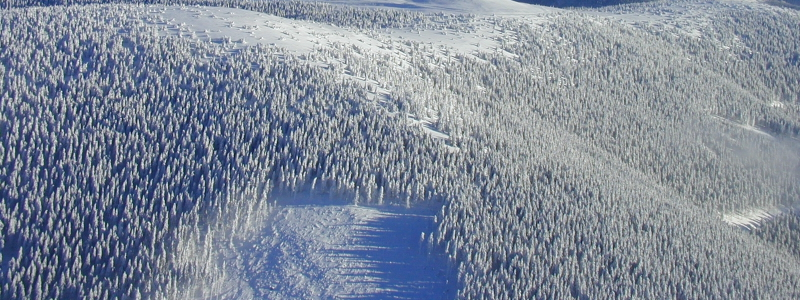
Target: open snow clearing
(345, 251)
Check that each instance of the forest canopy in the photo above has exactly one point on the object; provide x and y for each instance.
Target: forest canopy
(580, 154)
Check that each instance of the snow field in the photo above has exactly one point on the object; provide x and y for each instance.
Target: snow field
(345, 251)
(482, 7)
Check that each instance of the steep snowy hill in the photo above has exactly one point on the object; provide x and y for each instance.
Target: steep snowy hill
(481, 149)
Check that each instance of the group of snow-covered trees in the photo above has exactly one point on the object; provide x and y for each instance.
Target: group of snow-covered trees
(608, 142)
(591, 157)
(119, 145)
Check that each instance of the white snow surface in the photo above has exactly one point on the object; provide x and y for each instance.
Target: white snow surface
(751, 218)
(315, 251)
(484, 7)
(239, 28)
(756, 216)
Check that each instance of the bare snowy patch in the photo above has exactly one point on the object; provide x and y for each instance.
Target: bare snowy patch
(485, 7)
(751, 218)
(754, 217)
(747, 127)
(239, 28)
(345, 251)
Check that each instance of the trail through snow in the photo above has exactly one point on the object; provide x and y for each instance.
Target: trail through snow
(345, 252)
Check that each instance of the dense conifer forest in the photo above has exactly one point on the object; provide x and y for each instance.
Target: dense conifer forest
(584, 157)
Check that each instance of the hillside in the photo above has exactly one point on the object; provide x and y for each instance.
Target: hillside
(581, 3)
(476, 150)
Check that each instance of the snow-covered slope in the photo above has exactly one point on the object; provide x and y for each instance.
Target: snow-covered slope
(603, 153)
(503, 7)
(241, 28)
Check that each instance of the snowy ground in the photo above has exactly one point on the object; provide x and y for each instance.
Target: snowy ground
(485, 7)
(240, 28)
(345, 252)
(756, 216)
(751, 218)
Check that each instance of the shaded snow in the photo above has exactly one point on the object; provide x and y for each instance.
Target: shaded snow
(344, 251)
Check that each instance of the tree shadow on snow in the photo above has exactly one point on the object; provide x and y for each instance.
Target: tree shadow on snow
(346, 252)
(398, 262)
